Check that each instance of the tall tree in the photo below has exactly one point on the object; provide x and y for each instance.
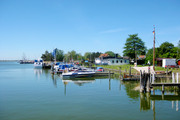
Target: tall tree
(134, 46)
(87, 56)
(165, 50)
(110, 53)
(59, 55)
(47, 56)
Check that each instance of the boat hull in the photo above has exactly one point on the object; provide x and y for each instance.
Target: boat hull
(78, 74)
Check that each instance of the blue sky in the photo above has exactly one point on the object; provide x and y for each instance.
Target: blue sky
(32, 26)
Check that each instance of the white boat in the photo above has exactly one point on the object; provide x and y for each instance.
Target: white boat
(77, 74)
(38, 63)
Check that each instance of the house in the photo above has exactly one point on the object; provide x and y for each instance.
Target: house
(103, 55)
(163, 62)
(111, 61)
(141, 59)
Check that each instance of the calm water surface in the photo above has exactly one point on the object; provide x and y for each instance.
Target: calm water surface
(34, 94)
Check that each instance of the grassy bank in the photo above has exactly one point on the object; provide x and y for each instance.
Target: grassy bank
(126, 68)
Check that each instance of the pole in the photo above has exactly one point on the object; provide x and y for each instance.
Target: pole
(177, 76)
(154, 50)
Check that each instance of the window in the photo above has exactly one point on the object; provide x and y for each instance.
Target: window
(125, 61)
(121, 61)
(112, 61)
(117, 61)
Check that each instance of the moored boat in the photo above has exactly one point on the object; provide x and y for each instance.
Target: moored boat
(77, 74)
(38, 63)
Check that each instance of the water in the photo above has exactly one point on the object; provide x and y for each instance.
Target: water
(34, 94)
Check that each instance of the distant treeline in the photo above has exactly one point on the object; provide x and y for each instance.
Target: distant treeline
(73, 55)
(133, 47)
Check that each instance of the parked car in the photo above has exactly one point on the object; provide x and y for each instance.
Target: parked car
(100, 69)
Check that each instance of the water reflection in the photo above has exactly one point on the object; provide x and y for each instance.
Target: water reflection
(79, 82)
(46, 72)
(129, 87)
(147, 101)
(37, 72)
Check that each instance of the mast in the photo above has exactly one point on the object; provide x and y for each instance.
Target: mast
(154, 50)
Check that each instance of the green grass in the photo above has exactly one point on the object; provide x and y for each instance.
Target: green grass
(126, 67)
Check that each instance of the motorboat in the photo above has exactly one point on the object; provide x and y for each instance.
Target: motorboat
(38, 63)
(77, 74)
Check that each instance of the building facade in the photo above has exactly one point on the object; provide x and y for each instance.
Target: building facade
(112, 61)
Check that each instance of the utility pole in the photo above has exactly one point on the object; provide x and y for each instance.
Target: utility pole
(154, 50)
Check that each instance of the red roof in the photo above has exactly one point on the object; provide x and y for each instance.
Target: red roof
(104, 55)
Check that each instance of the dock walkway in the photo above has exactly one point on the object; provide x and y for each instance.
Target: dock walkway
(165, 84)
(145, 69)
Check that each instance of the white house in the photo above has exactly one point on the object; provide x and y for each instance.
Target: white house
(112, 61)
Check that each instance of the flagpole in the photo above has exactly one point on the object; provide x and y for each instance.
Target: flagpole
(154, 50)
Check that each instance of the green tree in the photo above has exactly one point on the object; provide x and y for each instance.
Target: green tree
(178, 51)
(59, 55)
(110, 53)
(87, 56)
(134, 46)
(149, 55)
(47, 56)
(165, 50)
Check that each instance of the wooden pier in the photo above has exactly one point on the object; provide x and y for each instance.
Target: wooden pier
(103, 73)
(147, 81)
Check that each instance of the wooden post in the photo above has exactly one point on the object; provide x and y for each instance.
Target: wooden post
(167, 71)
(109, 84)
(177, 77)
(109, 74)
(162, 88)
(119, 72)
(148, 83)
(130, 71)
(141, 82)
(153, 78)
(173, 81)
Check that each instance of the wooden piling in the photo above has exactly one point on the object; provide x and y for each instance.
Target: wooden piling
(153, 77)
(177, 77)
(141, 82)
(109, 74)
(173, 80)
(148, 89)
(167, 71)
(119, 72)
(162, 88)
(130, 71)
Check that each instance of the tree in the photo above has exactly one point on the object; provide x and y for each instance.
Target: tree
(59, 55)
(110, 53)
(47, 56)
(87, 56)
(165, 50)
(134, 46)
(149, 55)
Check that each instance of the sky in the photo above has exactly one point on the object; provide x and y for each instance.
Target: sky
(30, 27)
